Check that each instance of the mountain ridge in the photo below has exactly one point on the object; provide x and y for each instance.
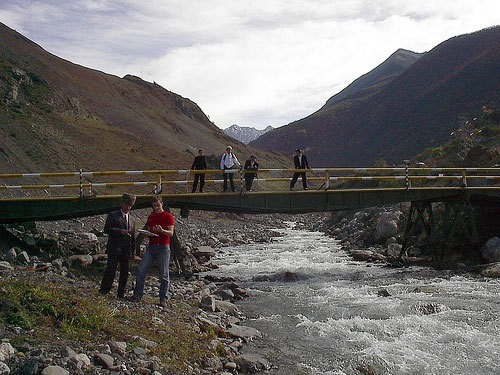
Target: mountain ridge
(55, 115)
(245, 134)
(416, 110)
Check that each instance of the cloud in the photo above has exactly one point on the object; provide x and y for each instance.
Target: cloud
(253, 63)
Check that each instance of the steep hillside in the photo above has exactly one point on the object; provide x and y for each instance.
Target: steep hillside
(416, 110)
(58, 115)
(372, 81)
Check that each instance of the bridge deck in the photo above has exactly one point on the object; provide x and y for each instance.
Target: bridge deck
(52, 208)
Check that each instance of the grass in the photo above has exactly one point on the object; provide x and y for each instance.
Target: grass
(71, 313)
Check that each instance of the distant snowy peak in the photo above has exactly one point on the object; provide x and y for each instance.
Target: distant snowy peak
(245, 134)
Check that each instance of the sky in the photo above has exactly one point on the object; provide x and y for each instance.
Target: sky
(251, 63)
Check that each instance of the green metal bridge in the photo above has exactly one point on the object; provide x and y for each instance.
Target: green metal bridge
(331, 189)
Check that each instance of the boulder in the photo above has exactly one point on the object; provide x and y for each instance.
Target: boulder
(6, 351)
(491, 250)
(4, 369)
(119, 347)
(23, 257)
(54, 370)
(493, 270)
(251, 363)
(205, 251)
(83, 260)
(208, 303)
(226, 307)
(243, 332)
(82, 357)
(394, 249)
(104, 360)
(386, 226)
(11, 255)
(5, 266)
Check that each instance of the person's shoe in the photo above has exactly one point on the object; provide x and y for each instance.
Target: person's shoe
(134, 299)
(121, 297)
(291, 188)
(103, 293)
(306, 189)
(163, 304)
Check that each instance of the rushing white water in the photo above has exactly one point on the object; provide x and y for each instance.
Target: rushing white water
(321, 312)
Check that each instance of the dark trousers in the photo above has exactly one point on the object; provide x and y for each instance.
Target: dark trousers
(230, 175)
(296, 177)
(109, 274)
(249, 180)
(201, 178)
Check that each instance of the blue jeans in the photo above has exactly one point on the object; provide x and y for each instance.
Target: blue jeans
(160, 254)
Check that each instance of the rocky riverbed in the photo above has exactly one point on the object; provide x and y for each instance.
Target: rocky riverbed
(70, 255)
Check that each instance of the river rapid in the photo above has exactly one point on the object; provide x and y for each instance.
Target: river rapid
(321, 313)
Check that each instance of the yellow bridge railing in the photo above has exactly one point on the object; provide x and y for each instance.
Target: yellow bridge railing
(325, 176)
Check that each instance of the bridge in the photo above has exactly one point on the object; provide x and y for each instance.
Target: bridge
(331, 189)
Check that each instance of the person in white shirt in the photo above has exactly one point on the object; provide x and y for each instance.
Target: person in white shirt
(229, 161)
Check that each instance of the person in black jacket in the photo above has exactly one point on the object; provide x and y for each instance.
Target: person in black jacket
(300, 162)
(252, 166)
(120, 227)
(199, 163)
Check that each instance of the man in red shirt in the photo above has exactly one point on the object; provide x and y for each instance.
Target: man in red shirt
(160, 224)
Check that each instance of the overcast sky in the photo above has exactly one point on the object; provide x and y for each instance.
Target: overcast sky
(246, 62)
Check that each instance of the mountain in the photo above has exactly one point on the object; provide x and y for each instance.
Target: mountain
(56, 115)
(395, 119)
(370, 82)
(245, 134)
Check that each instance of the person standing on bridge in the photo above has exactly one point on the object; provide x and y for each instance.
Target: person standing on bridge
(251, 166)
(300, 162)
(229, 161)
(199, 163)
(160, 224)
(120, 228)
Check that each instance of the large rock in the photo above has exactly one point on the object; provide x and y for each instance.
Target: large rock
(6, 351)
(4, 369)
(491, 250)
(83, 260)
(205, 252)
(54, 370)
(394, 249)
(386, 226)
(252, 363)
(226, 307)
(208, 303)
(11, 255)
(104, 360)
(5, 266)
(243, 332)
(493, 270)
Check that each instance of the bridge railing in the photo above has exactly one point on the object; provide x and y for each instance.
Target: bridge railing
(322, 178)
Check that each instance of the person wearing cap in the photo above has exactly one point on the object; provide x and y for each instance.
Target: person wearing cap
(252, 166)
(120, 228)
(300, 162)
(199, 163)
(229, 161)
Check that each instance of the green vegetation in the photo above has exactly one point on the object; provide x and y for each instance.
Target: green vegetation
(475, 145)
(54, 310)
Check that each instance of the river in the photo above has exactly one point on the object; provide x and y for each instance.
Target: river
(321, 313)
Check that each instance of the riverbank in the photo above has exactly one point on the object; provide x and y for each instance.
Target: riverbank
(54, 320)
(377, 235)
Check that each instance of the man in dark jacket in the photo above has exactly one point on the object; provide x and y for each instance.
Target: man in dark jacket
(120, 228)
(199, 163)
(252, 166)
(300, 162)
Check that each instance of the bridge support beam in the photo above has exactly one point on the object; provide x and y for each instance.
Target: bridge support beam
(457, 220)
(420, 212)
